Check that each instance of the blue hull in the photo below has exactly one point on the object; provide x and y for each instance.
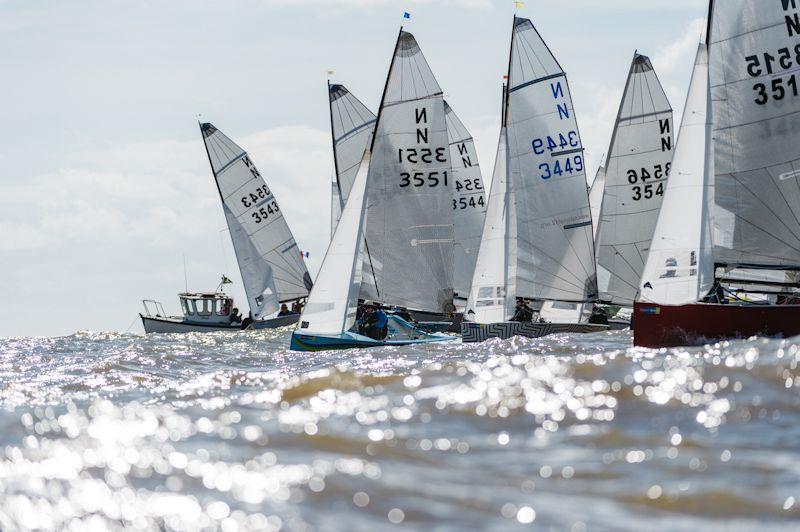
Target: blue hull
(309, 342)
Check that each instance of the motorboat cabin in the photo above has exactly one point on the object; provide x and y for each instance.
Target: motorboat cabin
(202, 311)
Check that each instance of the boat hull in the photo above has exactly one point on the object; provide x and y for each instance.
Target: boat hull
(314, 342)
(480, 332)
(172, 325)
(700, 323)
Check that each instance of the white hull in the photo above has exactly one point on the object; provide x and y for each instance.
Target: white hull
(178, 325)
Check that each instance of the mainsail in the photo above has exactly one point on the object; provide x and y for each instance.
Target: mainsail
(469, 203)
(409, 226)
(492, 296)
(636, 174)
(555, 248)
(680, 265)
(755, 93)
(269, 260)
(351, 127)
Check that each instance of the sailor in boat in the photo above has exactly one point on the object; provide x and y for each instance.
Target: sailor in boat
(284, 310)
(522, 313)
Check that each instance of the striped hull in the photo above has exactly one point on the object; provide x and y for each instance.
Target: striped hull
(479, 332)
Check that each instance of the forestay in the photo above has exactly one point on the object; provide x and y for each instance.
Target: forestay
(555, 249)
(636, 174)
(469, 202)
(269, 260)
(680, 265)
(492, 296)
(409, 214)
(332, 305)
(755, 91)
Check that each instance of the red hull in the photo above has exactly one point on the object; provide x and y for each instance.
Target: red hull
(700, 323)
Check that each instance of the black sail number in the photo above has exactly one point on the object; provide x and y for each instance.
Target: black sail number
(421, 155)
(250, 199)
(262, 214)
(421, 179)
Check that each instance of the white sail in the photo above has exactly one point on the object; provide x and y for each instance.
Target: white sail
(636, 174)
(336, 206)
(596, 197)
(491, 298)
(755, 93)
(680, 265)
(409, 215)
(269, 260)
(332, 305)
(469, 201)
(351, 126)
(555, 248)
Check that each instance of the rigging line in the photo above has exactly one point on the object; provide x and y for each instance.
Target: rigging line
(535, 252)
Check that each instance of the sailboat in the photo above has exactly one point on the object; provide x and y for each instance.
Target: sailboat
(271, 264)
(400, 206)
(733, 201)
(537, 238)
(633, 182)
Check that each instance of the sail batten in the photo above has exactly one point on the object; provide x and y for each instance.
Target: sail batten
(635, 178)
(270, 263)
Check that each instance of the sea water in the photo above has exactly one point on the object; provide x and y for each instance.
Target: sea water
(232, 431)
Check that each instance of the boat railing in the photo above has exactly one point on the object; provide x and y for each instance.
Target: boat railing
(157, 308)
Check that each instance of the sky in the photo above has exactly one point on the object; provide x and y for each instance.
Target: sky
(105, 188)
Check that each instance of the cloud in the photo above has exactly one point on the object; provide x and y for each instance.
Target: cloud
(675, 54)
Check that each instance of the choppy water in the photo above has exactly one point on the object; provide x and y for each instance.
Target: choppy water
(235, 432)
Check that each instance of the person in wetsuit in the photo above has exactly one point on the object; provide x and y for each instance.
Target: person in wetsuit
(522, 313)
(599, 316)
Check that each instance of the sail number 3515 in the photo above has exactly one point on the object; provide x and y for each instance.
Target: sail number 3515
(768, 64)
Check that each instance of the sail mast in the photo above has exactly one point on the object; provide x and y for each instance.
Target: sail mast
(333, 146)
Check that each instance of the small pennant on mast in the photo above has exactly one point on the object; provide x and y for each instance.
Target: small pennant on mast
(519, 5)
(407, 15)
